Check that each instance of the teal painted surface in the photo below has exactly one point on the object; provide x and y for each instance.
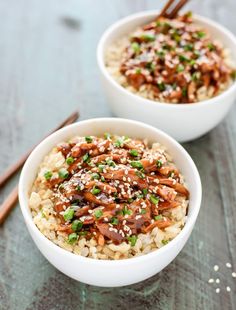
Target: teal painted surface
(48, 69)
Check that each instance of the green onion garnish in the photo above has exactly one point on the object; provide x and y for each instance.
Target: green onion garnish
(70, 160)
(136, 164)
(133, 153)
(68, 214)
(136, 47)
(159, 163)
(114, 221)
(86, 157)
(63, 173)
(95, 176)
(48, 175)
(76, 225)
(72, 238)
(133, 239)
(158, 217)
(89, 139)
(154, 199)
(98, 213)
(95, 190)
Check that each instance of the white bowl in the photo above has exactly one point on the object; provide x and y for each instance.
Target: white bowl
(182, 121)
(106, 272)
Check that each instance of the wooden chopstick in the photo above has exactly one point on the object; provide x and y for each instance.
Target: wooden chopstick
(177, 8)
(8, 204)
(12, 198)
(15, 167)
(166, 7)
(171, 8)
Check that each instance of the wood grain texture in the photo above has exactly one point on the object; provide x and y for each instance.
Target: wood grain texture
(48, 69)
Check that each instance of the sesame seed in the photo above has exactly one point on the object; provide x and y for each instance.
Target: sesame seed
(216, 268)
(217, 281)
(234, 274)
(217, 290)
(211, 281)
(228, 265)
(228, 289)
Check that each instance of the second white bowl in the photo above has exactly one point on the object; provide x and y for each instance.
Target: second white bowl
(107, 272)
(182, 121)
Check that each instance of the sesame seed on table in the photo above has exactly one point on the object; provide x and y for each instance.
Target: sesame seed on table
(48, 69)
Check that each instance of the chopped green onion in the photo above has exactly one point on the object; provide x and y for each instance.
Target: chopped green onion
(107, 135)
(161, 86)
(101, 167)
(76, 225)
(183, 58)
(130, 200)
(188, 47)
(70, 160)
(138, 71)
(95, 190)
(72, 238)
(143, 211)
(195, 76)
(68, 214)
(161, 54)
(136, 47)
(192, 62)
(180, 68)
(201, 34)
(133, 239)
(110, 162)
(63, 173)
(150, 66)
(95, 176)
(233, 74)
(154, 199)
(145, 191)
(48, 175)
(140, 174)
(189, 14)
(78, 188)
(165, 242)
(197, 53)
(211, 47)
(159, 163)
(98, 213)
(82, 233)
(176, 37)
(114, 221)
(119, 143)
(136, 164)
(158, 217)
(184, 92)
(86, 158)
(126, 211)
(89, 139)
(133, 153)
(102, 178)
(148, 37)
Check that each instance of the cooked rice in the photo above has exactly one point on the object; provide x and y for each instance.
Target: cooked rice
(44, 217)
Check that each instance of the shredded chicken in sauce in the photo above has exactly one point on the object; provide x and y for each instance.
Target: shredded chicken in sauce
(113, 189)
(174, 58)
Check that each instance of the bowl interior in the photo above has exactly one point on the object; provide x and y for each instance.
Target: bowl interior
(116, 126)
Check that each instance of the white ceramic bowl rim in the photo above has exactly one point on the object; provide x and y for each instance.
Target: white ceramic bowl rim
(23, 199)
(100, 59)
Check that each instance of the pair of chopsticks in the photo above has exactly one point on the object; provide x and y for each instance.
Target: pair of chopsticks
(172, 8)
(11, 199)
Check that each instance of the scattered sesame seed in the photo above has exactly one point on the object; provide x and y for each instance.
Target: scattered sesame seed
(228, 265)
(234, 274)
(217, 281)
(228, 289)
(211, 281)
(216, 267)
(217, 290)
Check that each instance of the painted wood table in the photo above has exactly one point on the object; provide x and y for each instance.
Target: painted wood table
(47, 69)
